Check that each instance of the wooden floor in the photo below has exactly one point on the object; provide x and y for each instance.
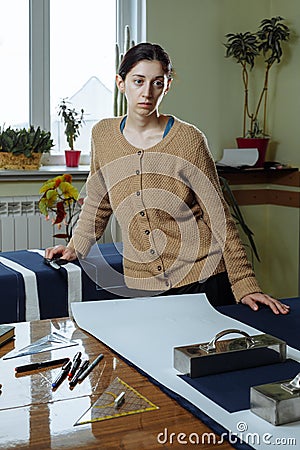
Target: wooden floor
(32, 416)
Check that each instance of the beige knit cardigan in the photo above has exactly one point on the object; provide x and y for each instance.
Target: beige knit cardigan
(176, 226)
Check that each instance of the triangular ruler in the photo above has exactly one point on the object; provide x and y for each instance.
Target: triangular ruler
(104, 408)
(50, 342)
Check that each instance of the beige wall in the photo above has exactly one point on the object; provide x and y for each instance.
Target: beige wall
(208, 92)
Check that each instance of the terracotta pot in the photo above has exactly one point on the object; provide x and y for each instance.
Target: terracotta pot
(260, 143)
(72, 158)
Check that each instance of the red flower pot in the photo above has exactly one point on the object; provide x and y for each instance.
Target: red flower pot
(72, 158)
(260, 143)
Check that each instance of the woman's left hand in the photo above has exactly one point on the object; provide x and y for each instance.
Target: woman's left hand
(276, 306)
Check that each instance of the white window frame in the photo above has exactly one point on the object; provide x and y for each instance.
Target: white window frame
(129, 12)
(39, 63)
(132, 13)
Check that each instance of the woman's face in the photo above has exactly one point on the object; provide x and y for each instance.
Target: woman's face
(145, 86)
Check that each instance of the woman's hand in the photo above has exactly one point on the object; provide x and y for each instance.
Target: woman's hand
(276, 306)
(60, 251)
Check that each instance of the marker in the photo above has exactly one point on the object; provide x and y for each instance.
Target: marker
(41, 365)
(75, 365)
(62, 375)
(81, 369)
(119, 400)
(90, 368)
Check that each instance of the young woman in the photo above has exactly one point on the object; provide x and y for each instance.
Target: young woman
(156, 174)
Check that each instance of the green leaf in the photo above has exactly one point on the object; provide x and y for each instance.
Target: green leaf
(237, 214)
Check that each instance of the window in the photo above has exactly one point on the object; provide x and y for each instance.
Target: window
(62, 49)
(14, 57)
(82, 63)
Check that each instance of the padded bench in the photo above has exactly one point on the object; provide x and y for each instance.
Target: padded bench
(31, 290)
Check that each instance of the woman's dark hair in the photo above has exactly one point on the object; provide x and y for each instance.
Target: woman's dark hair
(145, 50)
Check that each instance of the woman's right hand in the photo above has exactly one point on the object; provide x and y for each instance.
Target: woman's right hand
(60, 251)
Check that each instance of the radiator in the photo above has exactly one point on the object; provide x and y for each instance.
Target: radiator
(23, 227)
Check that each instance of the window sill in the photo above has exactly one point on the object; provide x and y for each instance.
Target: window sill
(58, 159)
(79, 173)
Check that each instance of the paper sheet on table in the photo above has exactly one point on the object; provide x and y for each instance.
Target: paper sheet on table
(238, 157)
(145, 332)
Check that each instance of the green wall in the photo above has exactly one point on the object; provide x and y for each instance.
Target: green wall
(207, 91)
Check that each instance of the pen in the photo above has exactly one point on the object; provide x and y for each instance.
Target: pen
(81, 369)
(62, 375)
(41, 365)
(90, 368)
(75, 365)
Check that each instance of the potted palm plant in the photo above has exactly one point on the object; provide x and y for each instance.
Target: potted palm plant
(73, 121)
(246, 49)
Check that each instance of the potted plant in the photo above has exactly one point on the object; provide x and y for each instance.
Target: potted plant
(246, 49)
(23, 148)
(60, 201)
(73, 121)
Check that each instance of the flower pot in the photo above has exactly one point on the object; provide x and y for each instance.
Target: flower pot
(72, 158)
(260, 143)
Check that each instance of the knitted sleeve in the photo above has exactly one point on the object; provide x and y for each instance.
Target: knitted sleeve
(96, 209)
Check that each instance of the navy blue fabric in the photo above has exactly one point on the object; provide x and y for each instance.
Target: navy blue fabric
(283, 326)
(197, 412)
(235, 396)
(12, 295)
(52, 284)
(231, 390)
(265, 320)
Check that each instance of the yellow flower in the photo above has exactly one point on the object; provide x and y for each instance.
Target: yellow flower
(50, 184)
(67, 177)
(51, 196)
(43, 206)
(68, 190)
(60, 200)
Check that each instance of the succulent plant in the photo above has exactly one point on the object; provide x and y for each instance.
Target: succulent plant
(25, 141)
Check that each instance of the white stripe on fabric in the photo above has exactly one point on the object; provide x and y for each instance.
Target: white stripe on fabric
(32, 306)
(74, 280)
